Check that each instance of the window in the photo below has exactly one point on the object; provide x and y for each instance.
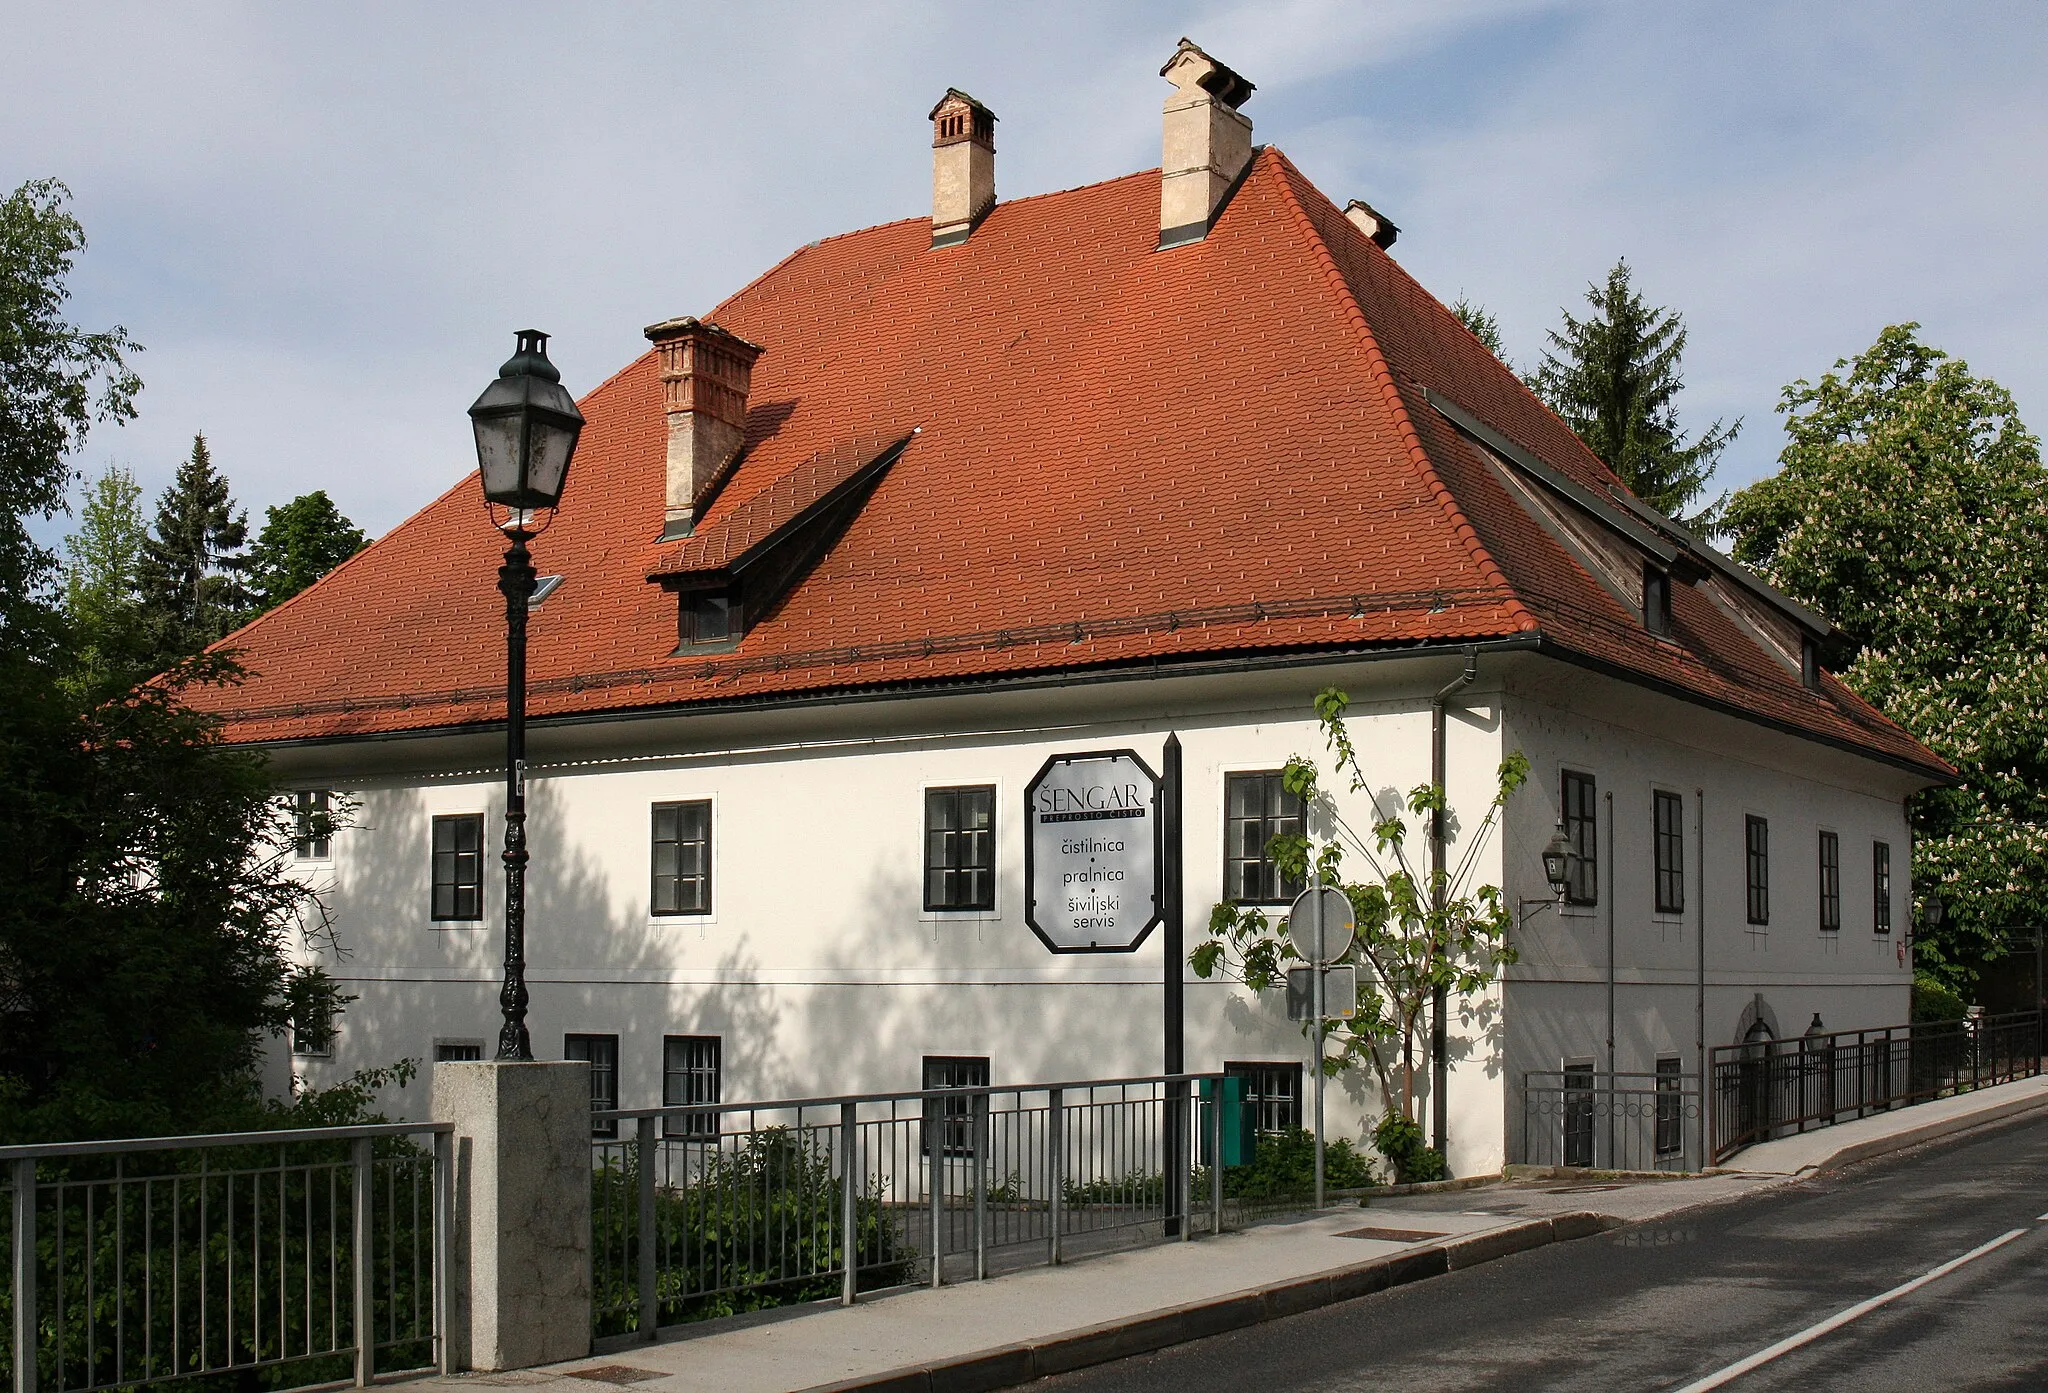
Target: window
(682, 858)
(1881, 887)
(601, 1052)
(1258, 808)
(1670, 837)
(690, 1070)
(1809, 664)
(1670, 1107)
(1272, 1091)
(1584, 835)
(1830, 882)
(1579, 1103)
(1756, 840)
(1656, 600)
(311, 811)
(459, 866)
(707, 617)
(960, 848)
(456, 1051)
(542, 588)
(313, 1036)
(950, 1121)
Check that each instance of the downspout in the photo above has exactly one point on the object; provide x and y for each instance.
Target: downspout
(1439, 1027)
(1699, 833)
(1611, 858)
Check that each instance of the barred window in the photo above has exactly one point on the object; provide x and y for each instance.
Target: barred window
(681, 858)
(456, 1051)
(1581, 829)
(949, 1122)
(312, 813)
(1881, 887)
(1258, 808)
(1830, 882)
(459, 867)
(1273, 1092)
(1670, 1107)
(1757, 855)
(960, 848)
(601, 1052)
(1670, 838)
(691, 1069)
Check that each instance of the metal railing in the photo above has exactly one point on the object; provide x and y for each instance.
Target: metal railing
(319, 1255)
(1782, 1087)
(709, 1209)
(1590, 1120)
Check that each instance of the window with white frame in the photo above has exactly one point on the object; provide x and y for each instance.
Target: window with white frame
(313, 819)
(949, 1122)
(458, 856)
(960, 847)
(601, 1052)
(680, 857)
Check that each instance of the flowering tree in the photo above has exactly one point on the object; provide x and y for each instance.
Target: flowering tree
(1911, 508)
(1417, 931)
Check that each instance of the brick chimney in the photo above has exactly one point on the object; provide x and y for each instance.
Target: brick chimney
(1206, 143)
(1372, 222)
(963, 166)
(705, 373)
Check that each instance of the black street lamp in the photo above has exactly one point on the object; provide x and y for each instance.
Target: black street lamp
(526, 426)
(1557, 869)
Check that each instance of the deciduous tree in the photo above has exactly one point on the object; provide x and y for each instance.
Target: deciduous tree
(1911, 507)
(301, 541)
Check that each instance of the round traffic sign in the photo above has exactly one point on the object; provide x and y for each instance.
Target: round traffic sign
(1339, 923)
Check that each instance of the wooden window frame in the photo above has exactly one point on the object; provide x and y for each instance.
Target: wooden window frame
(1270, 823)
(677, 1080)
(1756, 862)
(454, 860)
(955, 855)
(601, 1073)
(1582, 829)
(1829, 868)
(1669, 849)
(674, 906)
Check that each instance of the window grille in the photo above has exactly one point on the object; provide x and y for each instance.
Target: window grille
(459, 867)
(1670, 1107)
(457, 1051)
(681, 858)
(691, 1070)
(314, 819)
(1259, 808)
(1273, 1092)
(950, 1121)
(601, 1052)
(960, 848)
(1881, 887)
(1582, 830)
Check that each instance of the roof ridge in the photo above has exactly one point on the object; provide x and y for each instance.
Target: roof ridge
(1382, 374)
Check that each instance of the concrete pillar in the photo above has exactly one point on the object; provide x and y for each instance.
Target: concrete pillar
(522, 1211)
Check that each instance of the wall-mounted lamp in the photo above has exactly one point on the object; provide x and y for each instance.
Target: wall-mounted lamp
(1557, 869)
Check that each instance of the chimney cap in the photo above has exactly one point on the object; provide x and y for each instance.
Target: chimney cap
(1372, 222)
(955, 94)
(688, 324)
(1225, 84)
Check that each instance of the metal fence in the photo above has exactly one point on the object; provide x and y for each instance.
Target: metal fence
(1594, 1120)
(1775, 1088)
(308, 1256)
(711, 1209)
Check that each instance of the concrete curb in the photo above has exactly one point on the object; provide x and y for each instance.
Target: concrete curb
(1010, 1365)
(1930, 1131)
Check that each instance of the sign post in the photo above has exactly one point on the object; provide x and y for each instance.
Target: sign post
(1320, 924)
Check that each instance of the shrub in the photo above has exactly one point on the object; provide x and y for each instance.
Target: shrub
(1400, 1141)
(1933, 1000)
(1284, 1165)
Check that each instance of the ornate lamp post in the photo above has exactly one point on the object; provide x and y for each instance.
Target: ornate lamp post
(526, 426)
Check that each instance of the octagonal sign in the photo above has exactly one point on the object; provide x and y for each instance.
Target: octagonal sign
(1091, 852)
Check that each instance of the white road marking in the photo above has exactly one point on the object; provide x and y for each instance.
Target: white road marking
(1842, 1318)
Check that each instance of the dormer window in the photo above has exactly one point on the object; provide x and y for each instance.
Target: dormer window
(708, 618)
(1809, 664)
(1656, 599)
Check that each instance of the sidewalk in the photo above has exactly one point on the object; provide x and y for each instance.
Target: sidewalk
(1014, 1328)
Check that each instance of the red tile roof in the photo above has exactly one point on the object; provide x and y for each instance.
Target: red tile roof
(1123, 456)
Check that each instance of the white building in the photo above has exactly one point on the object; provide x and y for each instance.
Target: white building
(846, 561)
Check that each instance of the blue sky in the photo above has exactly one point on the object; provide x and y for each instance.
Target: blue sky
(324, 223)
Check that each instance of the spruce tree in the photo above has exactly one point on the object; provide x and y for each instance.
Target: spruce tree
(300, 542)
(1614, 377)
(1481, 322)
(193, 564)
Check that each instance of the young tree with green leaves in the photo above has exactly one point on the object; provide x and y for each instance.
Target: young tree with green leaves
(193, 566)
(1614, 377)
(1911, 508)
(301, 541)
(1418, 931)
(149, 926)
(103, 582)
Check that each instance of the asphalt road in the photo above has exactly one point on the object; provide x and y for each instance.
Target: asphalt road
(1667, 1305)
